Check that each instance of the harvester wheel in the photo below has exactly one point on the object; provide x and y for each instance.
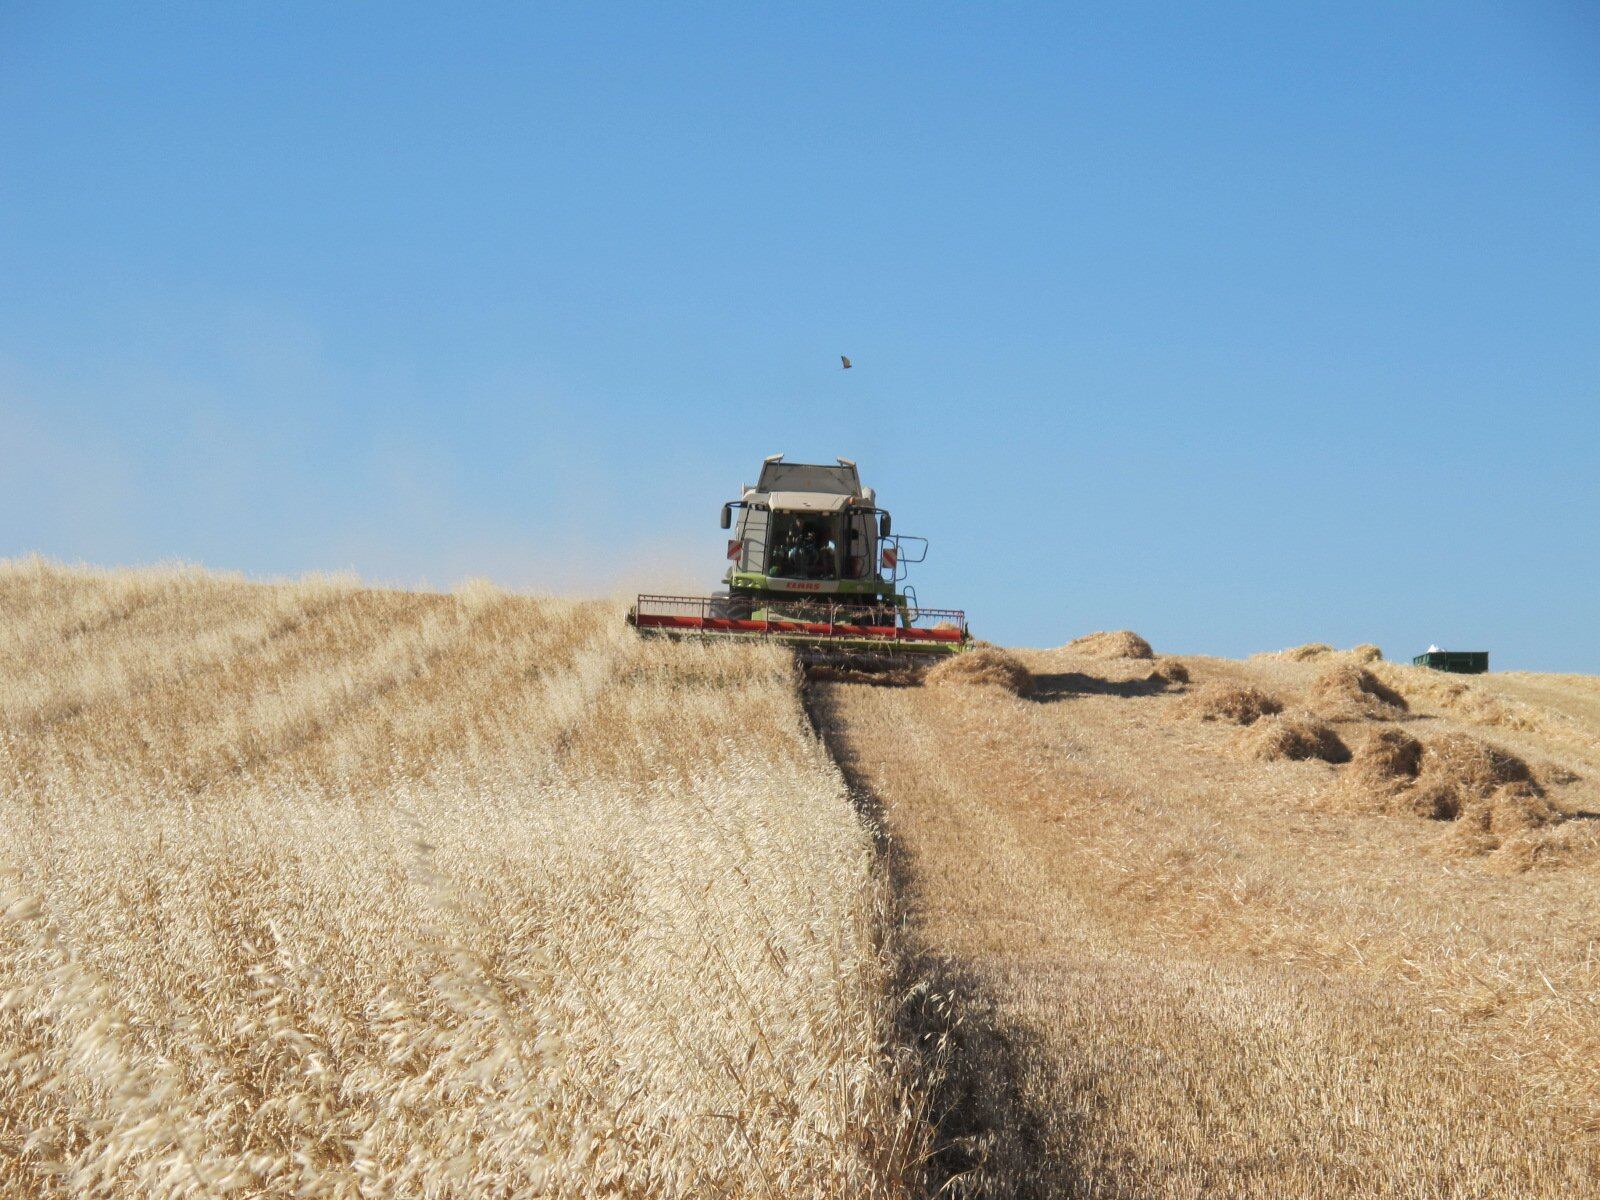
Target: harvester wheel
(732, 608)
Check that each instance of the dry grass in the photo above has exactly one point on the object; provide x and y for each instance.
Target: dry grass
(1186, 974)
(311, 890)
(982, 668)
(1290, 736)
(316, 890)
(1170, 671)
(1386, 761)
(1489, 792)
(1306, 653)
(1351, 693)
(1120, 643)
(1492, 795)
(1234, 703)
(1365, 653)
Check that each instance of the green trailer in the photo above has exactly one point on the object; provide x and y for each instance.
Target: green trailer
(1459, 662)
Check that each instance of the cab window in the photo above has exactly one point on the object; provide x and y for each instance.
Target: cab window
(803, 546)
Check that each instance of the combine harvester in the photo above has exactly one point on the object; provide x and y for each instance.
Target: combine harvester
(814, 564)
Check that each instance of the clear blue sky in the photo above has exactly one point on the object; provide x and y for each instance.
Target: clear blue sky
(1239, 325)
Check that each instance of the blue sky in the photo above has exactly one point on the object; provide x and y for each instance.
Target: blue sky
(1240, 325)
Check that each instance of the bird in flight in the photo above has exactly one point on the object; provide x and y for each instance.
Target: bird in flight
(846, 363)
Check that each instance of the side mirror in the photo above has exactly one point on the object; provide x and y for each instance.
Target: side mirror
(883, 525)
(727, 516)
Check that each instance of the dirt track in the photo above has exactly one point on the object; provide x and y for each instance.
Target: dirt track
(1191, 976)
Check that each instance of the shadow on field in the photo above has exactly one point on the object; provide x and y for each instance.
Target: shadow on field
(988, 1144)
(1059, 686)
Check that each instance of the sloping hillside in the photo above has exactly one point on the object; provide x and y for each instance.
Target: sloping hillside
(314, 890)
(1193, 966)
(320, 890)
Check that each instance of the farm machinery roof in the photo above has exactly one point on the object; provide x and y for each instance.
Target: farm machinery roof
(814, 562)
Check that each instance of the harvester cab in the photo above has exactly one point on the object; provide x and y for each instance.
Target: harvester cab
(813, 561)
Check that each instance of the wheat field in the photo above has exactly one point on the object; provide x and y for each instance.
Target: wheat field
(314, 889)
(311, 889)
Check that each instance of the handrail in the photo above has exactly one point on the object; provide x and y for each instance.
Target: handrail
(826, 619)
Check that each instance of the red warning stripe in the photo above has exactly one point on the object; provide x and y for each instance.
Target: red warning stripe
(810, 628)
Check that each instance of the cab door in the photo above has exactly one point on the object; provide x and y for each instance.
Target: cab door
(860, 546)
(753, 526)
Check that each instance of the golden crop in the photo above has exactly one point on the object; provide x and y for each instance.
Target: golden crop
(320, 890)
(316, 890)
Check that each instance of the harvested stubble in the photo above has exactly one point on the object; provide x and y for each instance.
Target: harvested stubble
(1169, 671)
(1490, 793)
(1304, 653)
(313, 890)
(1178, 958)
(987, 668)
(1385, 762)
(1474, 766)
(1348, 692)
(1466, 700)
(1290, 735)
(1119, 643)
(1361, 654)
(1312, 652)
(1219, 700)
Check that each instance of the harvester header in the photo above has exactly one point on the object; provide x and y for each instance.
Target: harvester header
(813, 561)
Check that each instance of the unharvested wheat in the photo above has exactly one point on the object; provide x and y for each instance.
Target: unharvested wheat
(316, 890)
